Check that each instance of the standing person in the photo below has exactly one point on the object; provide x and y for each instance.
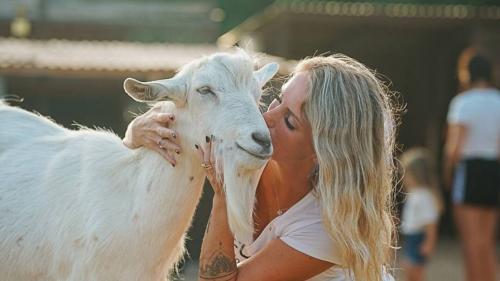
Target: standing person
(324, 199)
(472, 151)
(420, 212)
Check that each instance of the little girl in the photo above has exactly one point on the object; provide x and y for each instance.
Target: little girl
(420, 212)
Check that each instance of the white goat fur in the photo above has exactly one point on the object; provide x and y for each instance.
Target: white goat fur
(78, 205)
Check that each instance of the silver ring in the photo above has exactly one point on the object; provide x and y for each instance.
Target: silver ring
(160, 144)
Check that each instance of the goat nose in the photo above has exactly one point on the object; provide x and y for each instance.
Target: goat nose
(262, 139)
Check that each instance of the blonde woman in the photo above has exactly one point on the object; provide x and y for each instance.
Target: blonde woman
(421, 211)
(324, 199)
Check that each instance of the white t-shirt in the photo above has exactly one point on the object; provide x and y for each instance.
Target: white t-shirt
(419, 210)
(301, 227)
(479, 110)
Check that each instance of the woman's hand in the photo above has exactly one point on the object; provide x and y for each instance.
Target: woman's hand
(151, 130)
(207, 156)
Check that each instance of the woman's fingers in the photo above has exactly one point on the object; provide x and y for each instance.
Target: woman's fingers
(169, 146)
(199, 152)
(163, 143)
(131, 139)
(152, 131)
(212, 150)
(207, 151)
(205, 154)
(154, 143)
(164, 118)
(167, 156)
(166, 133)
(152, 121)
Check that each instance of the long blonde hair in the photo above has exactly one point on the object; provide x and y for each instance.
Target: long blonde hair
(353, 126)
(418, 163)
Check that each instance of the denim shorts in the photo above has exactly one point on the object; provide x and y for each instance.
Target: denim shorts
(411, 248)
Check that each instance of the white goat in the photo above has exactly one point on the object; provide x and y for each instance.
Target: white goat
(78, 205)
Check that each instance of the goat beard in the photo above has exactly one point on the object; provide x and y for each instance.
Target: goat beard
(240, 185)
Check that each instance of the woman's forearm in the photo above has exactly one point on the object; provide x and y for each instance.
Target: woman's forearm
(217, 261)
(452, 152)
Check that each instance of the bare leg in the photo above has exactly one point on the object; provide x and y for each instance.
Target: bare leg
(478, 234)
(458, 214)
(484, 242)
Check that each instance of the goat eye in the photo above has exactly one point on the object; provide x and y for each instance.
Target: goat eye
(205, 90)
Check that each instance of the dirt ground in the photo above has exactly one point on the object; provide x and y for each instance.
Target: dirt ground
(446, 264)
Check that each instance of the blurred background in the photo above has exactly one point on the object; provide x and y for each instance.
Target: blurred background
(68, 58)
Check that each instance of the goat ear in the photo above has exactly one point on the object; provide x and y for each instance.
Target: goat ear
(173, 89)
(265, 74)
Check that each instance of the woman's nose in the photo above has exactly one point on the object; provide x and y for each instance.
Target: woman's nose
(268, 118)
(269, 115)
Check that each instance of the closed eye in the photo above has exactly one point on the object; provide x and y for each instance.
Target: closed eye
(205, 90)
(287, 116)
(287, 122)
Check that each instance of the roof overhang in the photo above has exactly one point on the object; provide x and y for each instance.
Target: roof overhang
(105, 59)
(360, 12)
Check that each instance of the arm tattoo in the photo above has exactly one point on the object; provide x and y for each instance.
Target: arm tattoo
(218, 266)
